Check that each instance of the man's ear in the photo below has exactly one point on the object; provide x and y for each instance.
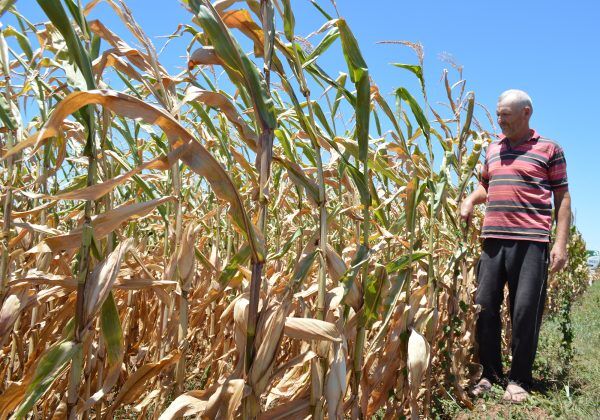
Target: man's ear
(527, 111)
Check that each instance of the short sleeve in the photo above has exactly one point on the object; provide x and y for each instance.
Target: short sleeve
(557, 170)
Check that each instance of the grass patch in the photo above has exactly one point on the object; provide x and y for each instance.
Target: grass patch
(559, 392)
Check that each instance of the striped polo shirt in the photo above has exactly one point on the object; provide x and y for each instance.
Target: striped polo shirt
(519, 182)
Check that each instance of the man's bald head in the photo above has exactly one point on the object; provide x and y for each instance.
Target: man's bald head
(516, 98)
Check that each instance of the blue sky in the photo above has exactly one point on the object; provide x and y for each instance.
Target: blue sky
(547, 48)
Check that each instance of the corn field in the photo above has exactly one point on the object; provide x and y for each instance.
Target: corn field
(251, 238)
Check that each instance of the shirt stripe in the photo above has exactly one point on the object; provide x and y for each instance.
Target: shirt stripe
(520, 181)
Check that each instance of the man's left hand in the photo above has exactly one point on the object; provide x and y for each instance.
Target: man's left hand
(558, 257)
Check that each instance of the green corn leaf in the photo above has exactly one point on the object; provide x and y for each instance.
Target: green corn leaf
(359, 182)
(341, 81)
(389, 305)
(239, 67)
(301, 270)
(359, 74)
(5, 5)
(411, 204)
(388, 112)
(467, 125)
(289, 22)
(360, 258)
(206, 119)
(372, 295)
(46, 372)
(267, 12)
(285, 142)
(321, 47)
(143, 184)
(403, 94)
(320, 9)
(95, 47)
(409, 127)
(110, 325)
(232, 267)
(286, 247)
(299, 178)
(377, 123)
(6, 115)
(438, 189)
(416, 70)
(58, 17)
(194, 5)
(321, 117)
(402, 263)
(376, 202)
(78, 15)
(22, 40)
(470, 164)
(318, 74)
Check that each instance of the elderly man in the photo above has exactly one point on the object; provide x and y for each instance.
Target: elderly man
(521, 173)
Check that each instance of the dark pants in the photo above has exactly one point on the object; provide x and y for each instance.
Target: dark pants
(524, 265)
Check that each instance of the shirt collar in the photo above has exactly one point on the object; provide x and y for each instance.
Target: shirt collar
(533, 135)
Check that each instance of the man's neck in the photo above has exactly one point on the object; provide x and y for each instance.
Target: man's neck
(520, 138)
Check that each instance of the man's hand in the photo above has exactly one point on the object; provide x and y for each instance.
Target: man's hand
(466, 210)
(558, 257)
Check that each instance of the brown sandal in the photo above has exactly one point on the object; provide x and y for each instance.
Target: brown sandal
(515, 394)
(483, 387)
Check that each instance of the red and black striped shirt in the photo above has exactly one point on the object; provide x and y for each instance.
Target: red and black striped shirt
(519, 182)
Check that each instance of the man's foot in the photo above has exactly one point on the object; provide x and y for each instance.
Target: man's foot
(515, 394)
(483, 386)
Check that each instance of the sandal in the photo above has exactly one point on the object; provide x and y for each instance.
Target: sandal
(483, 387)
(515, 394)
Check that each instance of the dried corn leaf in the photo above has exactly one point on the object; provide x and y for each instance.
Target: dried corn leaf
(311, 329)
(219, 401)
(105, 223)
(135, 385)
(197, 157)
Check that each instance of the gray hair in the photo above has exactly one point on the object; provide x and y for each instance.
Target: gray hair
(517, 97)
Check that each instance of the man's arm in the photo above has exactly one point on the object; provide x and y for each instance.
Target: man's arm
(478, 196)
(562, 206)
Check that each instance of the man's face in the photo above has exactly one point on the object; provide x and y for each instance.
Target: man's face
(512, 119)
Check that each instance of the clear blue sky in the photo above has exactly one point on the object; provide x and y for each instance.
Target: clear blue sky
(547, 48)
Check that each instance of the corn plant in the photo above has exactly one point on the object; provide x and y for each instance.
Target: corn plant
(274, 242)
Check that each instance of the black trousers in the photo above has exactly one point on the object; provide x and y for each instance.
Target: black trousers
(524, 265)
